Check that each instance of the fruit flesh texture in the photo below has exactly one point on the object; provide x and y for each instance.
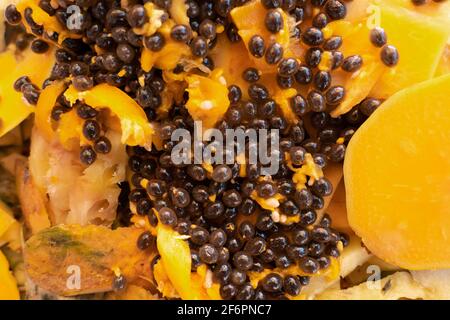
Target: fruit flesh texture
(397, 177)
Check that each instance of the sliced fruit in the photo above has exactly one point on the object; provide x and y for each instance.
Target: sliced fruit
(135, 128)
(8, 284)
(420, 41)
(208, 98)
(50, 257)
(397, 177)
(31, 201)
(13, 108)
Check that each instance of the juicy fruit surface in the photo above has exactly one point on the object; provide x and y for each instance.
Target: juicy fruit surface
(397, 177)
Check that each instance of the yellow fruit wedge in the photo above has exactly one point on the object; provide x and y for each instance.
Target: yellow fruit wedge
(397, 178)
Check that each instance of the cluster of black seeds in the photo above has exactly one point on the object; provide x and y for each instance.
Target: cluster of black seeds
(215, 206)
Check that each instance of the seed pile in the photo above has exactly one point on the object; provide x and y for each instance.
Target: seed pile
(215, 205)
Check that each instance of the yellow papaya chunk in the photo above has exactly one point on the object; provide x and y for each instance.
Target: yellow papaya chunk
(396, 175)
(13, 108)
(135, 128)
(176, 259)
(420, 41)
(169, 56)
(249, 19)
(6, 218)
(208, 99)
(50, 23)
(46, 102)
(8, 284)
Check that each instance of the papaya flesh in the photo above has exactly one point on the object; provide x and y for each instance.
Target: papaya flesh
(397, 178)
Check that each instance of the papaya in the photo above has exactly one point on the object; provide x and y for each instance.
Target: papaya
(13, 109)
(396, 175)
(420, 50)
(8, 284)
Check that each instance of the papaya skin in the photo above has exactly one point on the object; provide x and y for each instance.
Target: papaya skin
(96, 250)
(396, 175)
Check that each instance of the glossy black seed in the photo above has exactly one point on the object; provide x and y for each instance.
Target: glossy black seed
(335, 9)
(274, 53)
(320, 20)
(335, 95)
(291, 285)
(287, 67)
(195, 260)
(312, 37)
(378, 37)
(316, 248)
(180, 197)
(137, 194)
(207, 29)
(352, 63)
(79, 68)
(271, 4)
(221, 173)
(274, 21)
(273, 282)
(228, 291)
(218, 238)
(389, 55)
(155, 42)
(119, 34)
(125, 52)
(255, 246)
(214, 210)
(39, 46)
(223, 7)
(256, 46)
(208, 254)
(316, 101)
(87, 155)
(18, 84)
(320, 234)
(324, 262)
(12, 15)
(246, 230)
(232, 33)
(338, 59)
(232, 198)
(251, 75)
(298, 105)
(322, 187)
(181, 33)
(333, 251)
(277, 242)
(267, 109)
(369, 105)
(91, 130)
(322, 80)
(282, 261)
(238, 277)
(82, 83)
(266, 189)
(337, 152)
(137, 16)
(307, 218)
(60, 71)
(200, 194)
(196, 172)
(246, 292)
(242, 261)
(318, 203)
(258, 92)
(332, 43)
(313, 56)
(309, 265)
(297, 133)
(183, 227)
(264, 221)
(119, 283)
(102, 145)
(222, 272)
(296, 252)
(199, 47)
(234, 94)
(167, 216)
(199, 236)
(145, 240)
